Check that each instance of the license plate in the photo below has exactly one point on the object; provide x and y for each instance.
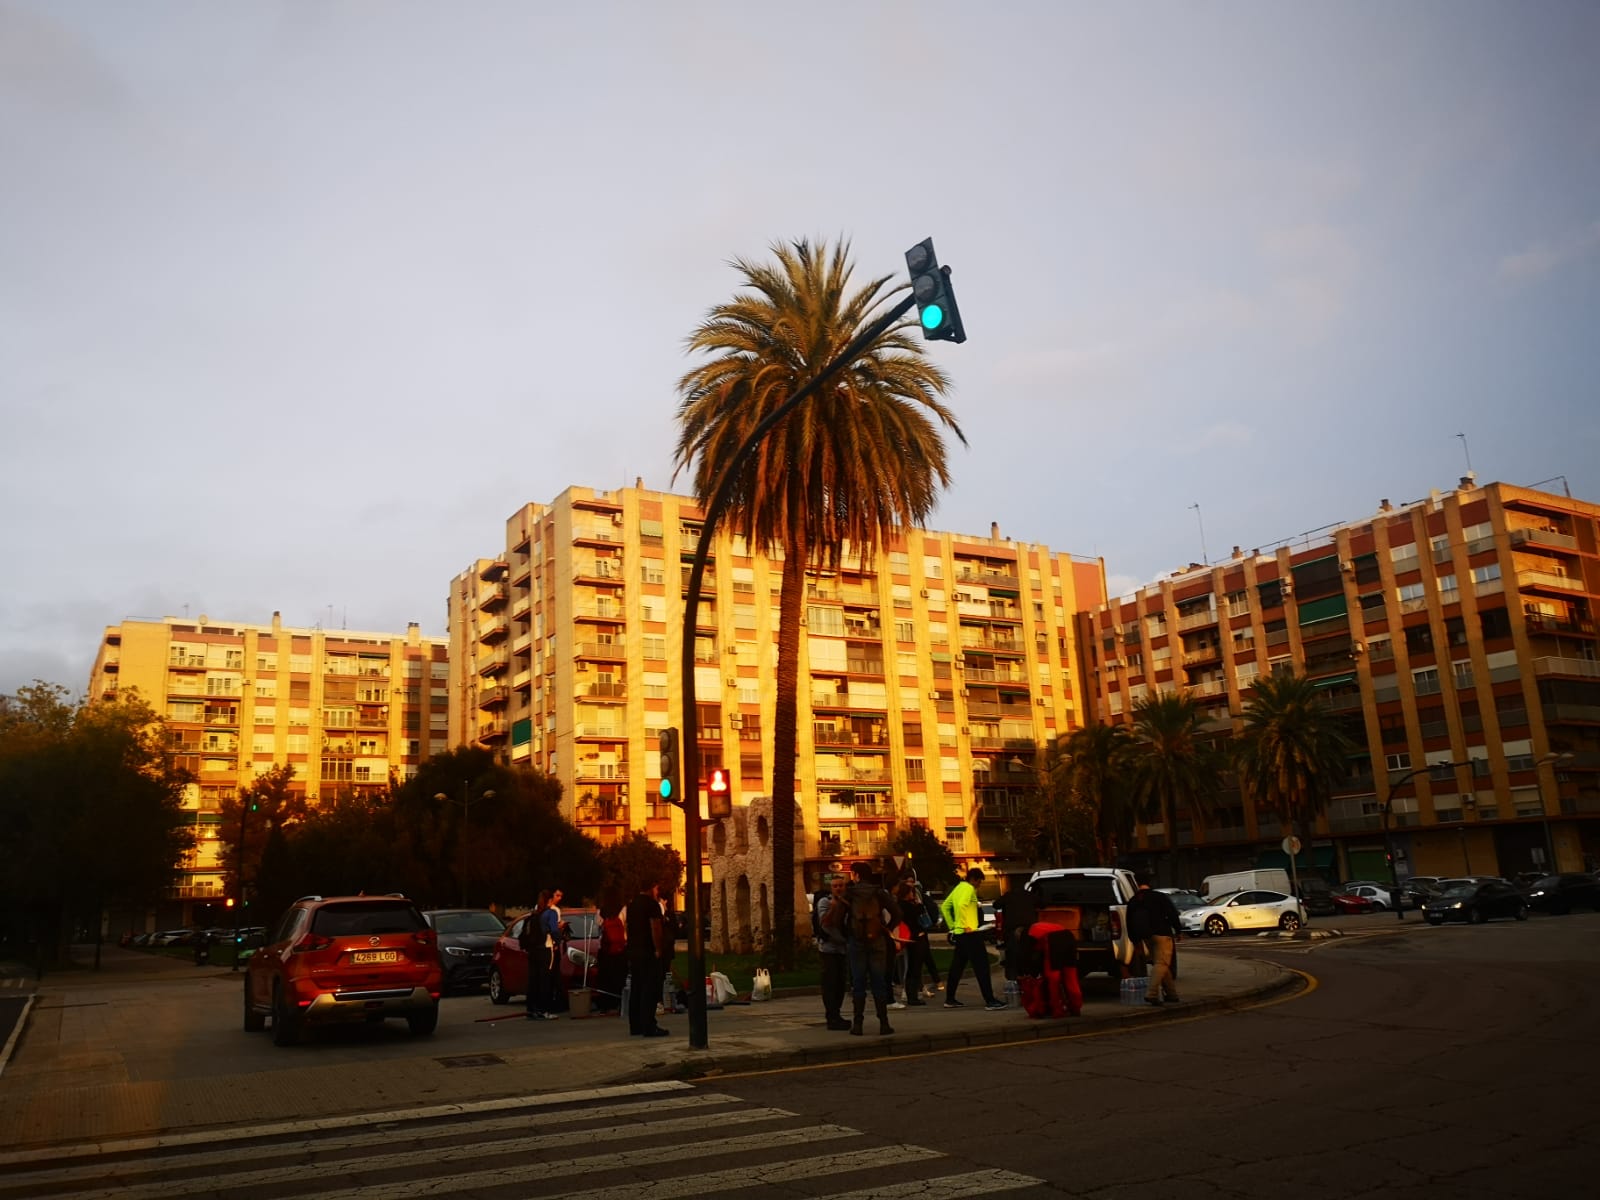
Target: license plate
(375, 956)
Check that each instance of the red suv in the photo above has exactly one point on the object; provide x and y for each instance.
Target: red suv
(343, 959)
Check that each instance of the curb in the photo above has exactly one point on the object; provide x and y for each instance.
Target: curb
(716, 1065)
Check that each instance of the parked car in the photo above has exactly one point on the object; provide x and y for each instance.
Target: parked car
(1475, 903)
(508, 974)
(1244, 910)
(1349, 886)
(1094, 901)
(1379, 897)
(466, 944)
(344, 959)
(1563, 893)
(1346, 904)
(1316, 896)
(1183, 898)
(1415, 890)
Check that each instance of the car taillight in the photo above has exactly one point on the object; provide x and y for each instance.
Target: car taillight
(425, 937)
(311, 942)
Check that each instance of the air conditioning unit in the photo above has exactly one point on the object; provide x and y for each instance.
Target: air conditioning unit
(964, 731)
(959, 661)
(732, 681)
(965, 693)
(933, 695)
(616, 518)
(736, 720)
(1347, 565)
(1358, 648)
(924, 593)
(1039, 701)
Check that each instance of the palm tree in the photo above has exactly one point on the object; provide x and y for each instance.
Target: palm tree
(1094, 761)
(1291, 751)
(1173, 766)
(851, 466)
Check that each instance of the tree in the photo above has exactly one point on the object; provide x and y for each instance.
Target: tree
(850, 467)
(90, 811)
(1292, 750)
(934, 863)
(630, 865)
(1095, 761)
(1173, 767)
(1055, 824)
(267, 804)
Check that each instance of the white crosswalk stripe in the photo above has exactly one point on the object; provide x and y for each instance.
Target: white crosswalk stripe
(613, 1148)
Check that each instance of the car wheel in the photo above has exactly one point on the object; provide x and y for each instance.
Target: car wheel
(254, 1022)
(497, 988)
(1216, 926)
(425, 1022)
(1475, 916)
(1379, 906)
(1289, 922)
(1522, 912)
(285, 1025)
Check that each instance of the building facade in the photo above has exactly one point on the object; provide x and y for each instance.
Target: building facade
(345, 709)
(931, 674)
(1456, 634)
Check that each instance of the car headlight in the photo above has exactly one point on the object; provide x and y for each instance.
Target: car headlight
(457, 951)
(1459, 904)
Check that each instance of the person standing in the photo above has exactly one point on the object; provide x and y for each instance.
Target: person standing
(872, 915)
(962, 918)
(1153, 922)
(833, 951)
(555, 940)
(1017, 912)
(914, 908)
(645, 949)
(613, 957)
(532, 939)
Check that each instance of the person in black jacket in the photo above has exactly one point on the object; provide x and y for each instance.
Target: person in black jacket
(1153, 922)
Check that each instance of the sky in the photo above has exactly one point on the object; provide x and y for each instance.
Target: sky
(300, 301)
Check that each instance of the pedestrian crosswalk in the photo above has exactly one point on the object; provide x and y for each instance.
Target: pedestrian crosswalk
(653, 1142)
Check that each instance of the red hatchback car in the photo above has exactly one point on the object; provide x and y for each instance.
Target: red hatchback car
(1345, 902)
(508, 977)
(344, 959)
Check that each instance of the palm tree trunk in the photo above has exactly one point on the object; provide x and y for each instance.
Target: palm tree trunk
(785, 733)
(1172, 841)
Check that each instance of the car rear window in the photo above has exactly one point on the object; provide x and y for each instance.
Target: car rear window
(348, 919)
(1082, 889)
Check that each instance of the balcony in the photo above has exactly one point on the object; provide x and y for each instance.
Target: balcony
(493, 731)
(599, 612)
(494, 662)
(1583, 668)
(493, 630)
(596, 534)
(605, 651)
(187, 662)
(1002, 809)
(1572, 712)
(1198, 620)
(604, 733)
(604, 691)
(493, 697)
(1540, 623)
(857, 847)
(1202, 654)
(1535, 537)
(600, 813)
(864, 666)
(1548, 581)
(999, 579)
(493, 597)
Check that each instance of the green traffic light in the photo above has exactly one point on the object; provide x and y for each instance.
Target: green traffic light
(666, 789)
(932, 317)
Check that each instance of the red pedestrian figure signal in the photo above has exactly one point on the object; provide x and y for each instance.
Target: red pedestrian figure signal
(721, 796)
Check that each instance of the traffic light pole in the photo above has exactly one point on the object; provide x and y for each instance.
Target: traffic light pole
(690, 749)
(238, 878)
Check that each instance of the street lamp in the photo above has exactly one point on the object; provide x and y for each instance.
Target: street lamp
(1388, 841)
(1549, 760)
(466, 809)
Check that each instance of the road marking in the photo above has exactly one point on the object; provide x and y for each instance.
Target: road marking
(451, 1132)
(288, 1128)
(766, 1174)
(971, 1183)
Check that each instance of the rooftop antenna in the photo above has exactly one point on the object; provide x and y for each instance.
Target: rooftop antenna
(1465, 451)
(1204, 557)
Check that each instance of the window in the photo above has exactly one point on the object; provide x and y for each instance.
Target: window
(1238, 603)
(1398, 762)
(905, 631)
(1448, 593)
(1419, 638)
(1496, 622)
(1404, 557)
(824, 622)
(1462, 670)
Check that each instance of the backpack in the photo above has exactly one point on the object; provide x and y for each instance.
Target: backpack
(866, 913)
(816, 919)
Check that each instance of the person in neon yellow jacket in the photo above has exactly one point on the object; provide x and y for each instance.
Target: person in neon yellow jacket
(962, 918)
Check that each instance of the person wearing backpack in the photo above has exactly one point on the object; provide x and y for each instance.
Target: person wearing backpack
(872, 912)
(828, 913)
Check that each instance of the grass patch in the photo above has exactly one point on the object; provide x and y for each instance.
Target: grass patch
(807, 972)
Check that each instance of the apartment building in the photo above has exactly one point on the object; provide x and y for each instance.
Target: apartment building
(932, 673)
(1457, 636)
(345, 709)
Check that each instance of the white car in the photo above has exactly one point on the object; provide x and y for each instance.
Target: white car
(1379, 896)
(1244, 910)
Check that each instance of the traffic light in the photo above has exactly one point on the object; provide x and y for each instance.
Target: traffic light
(936, 299)
(720, 803)
(228, 902)
(671, 766)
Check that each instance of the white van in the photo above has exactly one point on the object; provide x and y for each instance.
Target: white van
(1277, 880)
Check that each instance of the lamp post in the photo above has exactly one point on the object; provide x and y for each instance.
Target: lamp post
(466, 809)
(1468, 804)
(1388, 841)
(1549, 760)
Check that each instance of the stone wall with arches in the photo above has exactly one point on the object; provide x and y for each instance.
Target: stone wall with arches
(738, 850)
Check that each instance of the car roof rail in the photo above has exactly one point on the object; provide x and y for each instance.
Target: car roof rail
(305, 899)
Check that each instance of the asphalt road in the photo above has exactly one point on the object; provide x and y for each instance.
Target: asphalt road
(1455, 1063)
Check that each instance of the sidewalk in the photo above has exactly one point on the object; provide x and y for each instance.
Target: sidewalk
(149, 1046)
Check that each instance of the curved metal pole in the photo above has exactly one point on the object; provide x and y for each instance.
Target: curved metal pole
(690, 748)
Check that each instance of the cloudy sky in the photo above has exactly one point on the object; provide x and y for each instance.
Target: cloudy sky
(298, 301)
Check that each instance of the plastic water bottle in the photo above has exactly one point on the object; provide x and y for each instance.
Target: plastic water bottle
(1133, 990)
(627, 992)
(1013, 994)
